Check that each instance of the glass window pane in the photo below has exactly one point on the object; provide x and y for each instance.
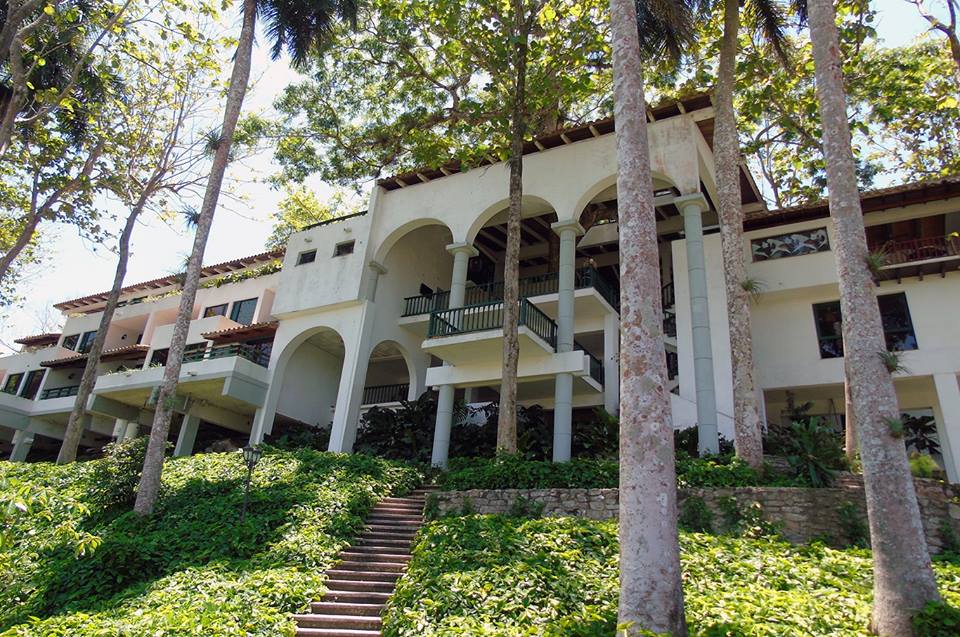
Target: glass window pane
(30, 387)
(70, 342)
(86, 342)
(216, 310)
(12, 384)
(829, 329)
(242, 311)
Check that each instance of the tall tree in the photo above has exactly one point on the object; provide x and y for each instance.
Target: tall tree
(948, 28)
(651, 592)
(301, 29)
(157, 156)
(903, 578)
(747, 426)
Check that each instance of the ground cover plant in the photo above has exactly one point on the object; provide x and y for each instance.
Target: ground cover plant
(513, 576)
(193, 568)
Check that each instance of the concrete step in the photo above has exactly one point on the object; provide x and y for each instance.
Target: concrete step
(362, 622)
(375, 553)
(357, 597)
(381, 542)
(411, 501)
(359, 585)
(388, 535)
(371, 565)
(336, 632)
(403, 522)
(400, 529)
(363, 576)
(346, 608)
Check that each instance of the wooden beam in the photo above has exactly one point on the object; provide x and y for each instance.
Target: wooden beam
(539, 146)
(594, 131)
(566, 140)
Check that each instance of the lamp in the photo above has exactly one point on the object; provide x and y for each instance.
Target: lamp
(251, 456)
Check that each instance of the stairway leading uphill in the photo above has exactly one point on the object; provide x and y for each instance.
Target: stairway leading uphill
(359, 585)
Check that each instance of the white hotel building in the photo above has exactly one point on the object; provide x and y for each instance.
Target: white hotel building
(404, 298)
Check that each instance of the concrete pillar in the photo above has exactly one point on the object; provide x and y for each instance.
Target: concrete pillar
(611, 364)
(22, 441)
(692, 207)
(187, 436)
(469, 395)
(568, 231)
(947, 414)
(132, 430)
(346, 414)
(376, 270)
(458, 284)
(119, 429)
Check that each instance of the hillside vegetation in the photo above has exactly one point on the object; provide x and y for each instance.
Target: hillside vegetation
(193, 568)
(512, 576)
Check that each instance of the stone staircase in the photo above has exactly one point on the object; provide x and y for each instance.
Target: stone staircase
(359, 586)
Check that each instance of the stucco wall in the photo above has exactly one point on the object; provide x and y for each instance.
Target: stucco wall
(310, 386)
(802, 514)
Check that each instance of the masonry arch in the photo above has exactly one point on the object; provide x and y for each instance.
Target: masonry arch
(386, 245)
(391, 374)
(530, 206)
(308, 373)
(605, 189)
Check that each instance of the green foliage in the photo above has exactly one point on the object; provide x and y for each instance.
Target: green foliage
(895, 427)
(923, 466)
(523, 507)
(301, 208)
(892, 361)
(948, 538)
(114, 478)
(401, 434)
(812, 448)
(937, 620)
(695, 515)
(715, 471)
(745, 520)
(686, 441)
(876, 261)
(296, 435)
(557, 577)
(242, 275)
(921, 433)
(854, 525)
(191, 569)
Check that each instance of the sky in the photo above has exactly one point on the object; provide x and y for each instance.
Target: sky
(77, 268)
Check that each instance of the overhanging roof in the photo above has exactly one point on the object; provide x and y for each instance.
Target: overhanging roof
(47, 338)
(917, 192)
(127, 352)
(156, 284)
(242, 332)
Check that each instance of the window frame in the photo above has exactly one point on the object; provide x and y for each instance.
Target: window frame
(86, 341)
(33, 373)
(888, 333)
(344, 248)
(207, 313)
(6, 389)
(162, 353)
(307, 257)
(71, 341)
(234, 313)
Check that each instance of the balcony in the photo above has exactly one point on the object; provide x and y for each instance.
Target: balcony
(919, 257)
(59, 392)
(385, 394)
(246, 352)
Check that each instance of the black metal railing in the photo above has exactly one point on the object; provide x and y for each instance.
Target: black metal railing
(596, 365)
(529, 286)
(379, 394)
(668, 296)
(489, 316)
(673, 364)
(59, 392)
(670, 325)
(248, 352)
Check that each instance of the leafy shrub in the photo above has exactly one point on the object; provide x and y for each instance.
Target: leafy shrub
(920, 434)
(299, 435)
(715, 471)
(688, 441)
(191, 569)
(514, 472)
(114, 478)
(937, 620)
(854, 525)
(695, 515)
(557, 577)
(812, 448)
(400, 434)
(923, 466)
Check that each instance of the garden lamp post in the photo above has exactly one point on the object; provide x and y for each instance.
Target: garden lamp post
(251, 456)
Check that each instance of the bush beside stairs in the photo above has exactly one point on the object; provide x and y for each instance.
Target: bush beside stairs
(360, 584)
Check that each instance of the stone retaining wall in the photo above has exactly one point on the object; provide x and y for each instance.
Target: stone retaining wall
(802, 514)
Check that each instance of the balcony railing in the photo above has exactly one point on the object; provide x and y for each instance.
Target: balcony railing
(529, 286)
(668, 296)
(489, 316)
(673, 364)
(249, 352)
(59, 392)
(923, 249)
(379, 394)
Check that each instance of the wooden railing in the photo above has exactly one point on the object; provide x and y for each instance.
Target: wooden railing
(529, 286)
(923, 249)
(379, 394)
(59, 392)
(489, 316)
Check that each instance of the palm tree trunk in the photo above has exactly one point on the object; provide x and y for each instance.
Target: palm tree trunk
(74, 431)
(507, 416)
(153, 464)
(726, 148)
(651, 596)
(849, 424)
(903, 578)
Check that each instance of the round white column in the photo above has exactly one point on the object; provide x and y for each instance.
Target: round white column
(568, 232)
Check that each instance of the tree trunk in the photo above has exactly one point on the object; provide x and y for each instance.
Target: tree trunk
(23, 239)
(651, 596)
(903, 578)
(153, 464)
(507, 416)
(726, 149)
(849, 424)
(71, 437)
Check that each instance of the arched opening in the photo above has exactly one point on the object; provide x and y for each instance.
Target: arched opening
(309, 379)
(417, 265)
(389, 376)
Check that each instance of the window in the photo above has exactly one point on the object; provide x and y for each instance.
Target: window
(242, 311)
(159, 357)
(12, 384)
(32, 385)
(70, 342)
(894, 313)
(86, 341)
(307, 257)
(343, 249)
(215, 310)
(793, 244)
